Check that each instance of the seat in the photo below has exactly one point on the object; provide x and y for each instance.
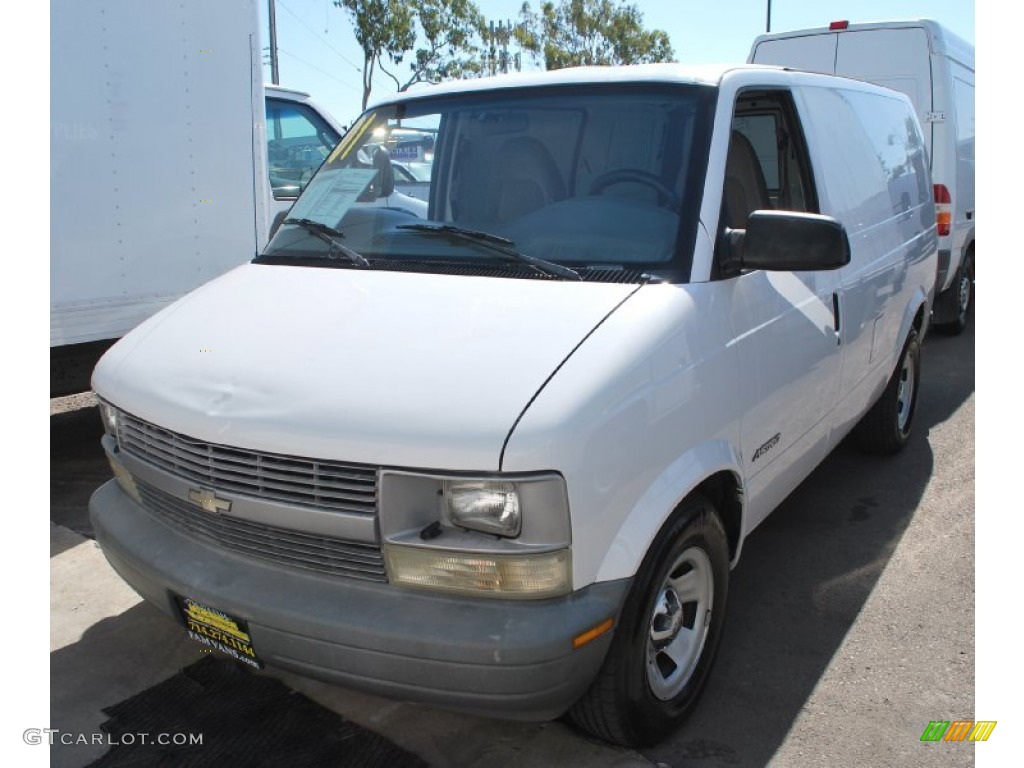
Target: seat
(745, 187)
(527, 178)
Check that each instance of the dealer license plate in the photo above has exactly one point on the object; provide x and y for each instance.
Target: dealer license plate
(219, 630)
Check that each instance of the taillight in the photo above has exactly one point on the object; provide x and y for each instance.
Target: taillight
(835, 26)
(943, 208)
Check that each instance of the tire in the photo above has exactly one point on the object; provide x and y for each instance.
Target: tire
(964, 287)
(661, 654)
(885, 429)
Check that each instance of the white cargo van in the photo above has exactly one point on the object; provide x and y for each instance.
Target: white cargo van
(169, 161)
(935, 69)
(501, 458)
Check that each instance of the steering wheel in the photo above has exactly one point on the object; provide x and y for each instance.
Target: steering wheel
(666, 197)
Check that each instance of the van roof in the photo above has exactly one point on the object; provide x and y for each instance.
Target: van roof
(940, 39)
(636, 74)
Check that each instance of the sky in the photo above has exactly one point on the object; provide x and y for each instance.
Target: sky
(317, 51)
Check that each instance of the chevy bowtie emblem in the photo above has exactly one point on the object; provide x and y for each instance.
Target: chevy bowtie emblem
(208, 500)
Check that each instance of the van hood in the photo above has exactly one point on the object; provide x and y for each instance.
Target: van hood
(375, 367)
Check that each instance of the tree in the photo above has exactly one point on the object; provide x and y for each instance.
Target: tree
(381, 27)
(588, 32)
(450, 30)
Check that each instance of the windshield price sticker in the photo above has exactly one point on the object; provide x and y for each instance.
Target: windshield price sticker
(218, 630)
(334, 193)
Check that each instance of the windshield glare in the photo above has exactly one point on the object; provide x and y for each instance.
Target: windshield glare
(586, 176)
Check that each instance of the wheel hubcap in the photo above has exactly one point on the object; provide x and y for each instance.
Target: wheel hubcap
(679, 623)
(905, 396)
(668, 619)
(965, 293)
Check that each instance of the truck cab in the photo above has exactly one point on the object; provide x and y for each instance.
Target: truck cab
(300, 134)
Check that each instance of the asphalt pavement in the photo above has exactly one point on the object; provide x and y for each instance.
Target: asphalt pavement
(850, 621)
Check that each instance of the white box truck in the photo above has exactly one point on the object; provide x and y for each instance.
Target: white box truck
(935, 68)
(169, 162)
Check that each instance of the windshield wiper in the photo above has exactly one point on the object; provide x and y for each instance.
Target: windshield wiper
(327, 234)
(497, 244)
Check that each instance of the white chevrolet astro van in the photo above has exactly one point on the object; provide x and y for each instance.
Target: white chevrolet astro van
(501, 459)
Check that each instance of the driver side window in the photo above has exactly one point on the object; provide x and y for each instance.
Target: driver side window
(767, 166)
(298, 140)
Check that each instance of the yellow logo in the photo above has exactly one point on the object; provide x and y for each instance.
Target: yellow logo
(216, 619)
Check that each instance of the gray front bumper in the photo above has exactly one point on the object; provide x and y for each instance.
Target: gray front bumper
(496, 657)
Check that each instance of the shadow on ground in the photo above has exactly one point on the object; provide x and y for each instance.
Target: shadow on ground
(77, 467)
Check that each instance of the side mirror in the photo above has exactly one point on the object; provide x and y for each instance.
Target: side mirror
(780, 241)
(386, 174)
(383, 184)
(276, 223)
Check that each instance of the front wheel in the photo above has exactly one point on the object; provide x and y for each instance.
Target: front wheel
(885, 429)
(667, 634)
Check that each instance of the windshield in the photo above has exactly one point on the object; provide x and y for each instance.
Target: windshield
(597, 178)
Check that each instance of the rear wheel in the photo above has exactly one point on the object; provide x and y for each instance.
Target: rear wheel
(667, 634)
(885, 429)
(964, 288)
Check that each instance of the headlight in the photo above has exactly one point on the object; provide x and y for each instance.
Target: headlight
(503, 535)
(489, 507)
(109, 414)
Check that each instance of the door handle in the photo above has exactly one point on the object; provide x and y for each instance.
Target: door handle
(835, 316)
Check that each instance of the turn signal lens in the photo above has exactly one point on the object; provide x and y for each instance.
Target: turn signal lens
(125, 480)
(526, 576)
(109, 415)
(592, 634)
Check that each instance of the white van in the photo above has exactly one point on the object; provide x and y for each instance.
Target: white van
(502, 459)
(935, 69)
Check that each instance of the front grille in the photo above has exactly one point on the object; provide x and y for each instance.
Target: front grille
(279, 545)
(326, 485)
